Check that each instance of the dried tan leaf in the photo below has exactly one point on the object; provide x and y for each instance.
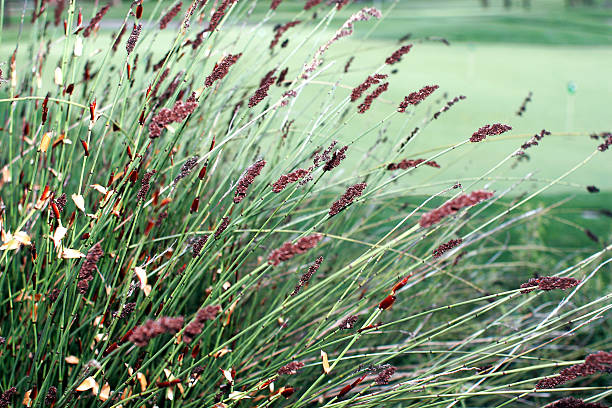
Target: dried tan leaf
(79, 201)
(222, 352)
(58, 78)
(100, 189)
(44, 142)
(142, 380)
(69, 253)
(326, 368)
(104, 392)
(72, 360)
(27, 401)
(88, 384)
(58, 235)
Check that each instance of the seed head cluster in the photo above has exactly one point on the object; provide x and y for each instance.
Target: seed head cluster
(549, 283)
(606, 144)
(336, 158)
(186, 168)
(489, 130)
(166, 116)
(439, 251)
(88, 267)
(397, 55)
(305, 278)
(288, 250)
(198, 245)
(7, 396)
(406, 164)
(452, 206)
(163, 23)
(385, 375)
(367, 103)
(448, 105)
(202, 316)
(369, 81)
(145, 185)
(95, 20)
(131, 42)
(571, 402)
(141, 335)
(290, 369)
(279, 31)
(416, 97)
(221, 69)
(262, 91)
(600, 362)
(247, 179)
(222, 227)
(347, 198)
(218, 14)
(348, 322)
(286, 179)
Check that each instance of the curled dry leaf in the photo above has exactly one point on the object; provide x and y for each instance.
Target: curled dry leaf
(69, 253)
(104, 392)
(72, 360)
(89, 384)
(58, 235)
(100, 189)
(14, 241)
(44, 142)
(142, 380)
(79, 201)
(141, 274)
(27, 401)
(326, 368)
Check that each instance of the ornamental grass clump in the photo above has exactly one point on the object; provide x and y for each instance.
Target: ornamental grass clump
(213, 218)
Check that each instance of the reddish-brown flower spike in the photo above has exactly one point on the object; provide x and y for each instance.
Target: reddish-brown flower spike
(262, 91)
(453, 206)
(286, 179)
(218, 14)
(385, 375)
(369, 81)
(397, 55)
(131, 42)
(139, 10)
(305, 278)
(416, 97)
(336, 158)
(291, 368)
(367, 103)
(347, 198)
(170, 15)
(571, 402)
(119, 36)
(221, 69)
(288, 250)
(87, 268)
(600, 362)
(51, 396)
(202, 316)
(141, 335)
(222, 227)
(406, 164)
(95, 20)
(275, 3)
(348, 323)
(247, 179)
(195, 204)
(45, 109)
(489, 130)
(549, 283)
(311, 3)
(439, 251)
(281, 30)
(387, 302)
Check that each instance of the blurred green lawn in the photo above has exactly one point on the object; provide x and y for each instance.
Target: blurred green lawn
(496, 58)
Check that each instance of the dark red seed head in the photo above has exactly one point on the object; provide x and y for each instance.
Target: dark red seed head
(387, 302)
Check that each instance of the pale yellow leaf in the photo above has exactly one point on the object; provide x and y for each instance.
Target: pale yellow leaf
(72, 360)
(141, 274)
